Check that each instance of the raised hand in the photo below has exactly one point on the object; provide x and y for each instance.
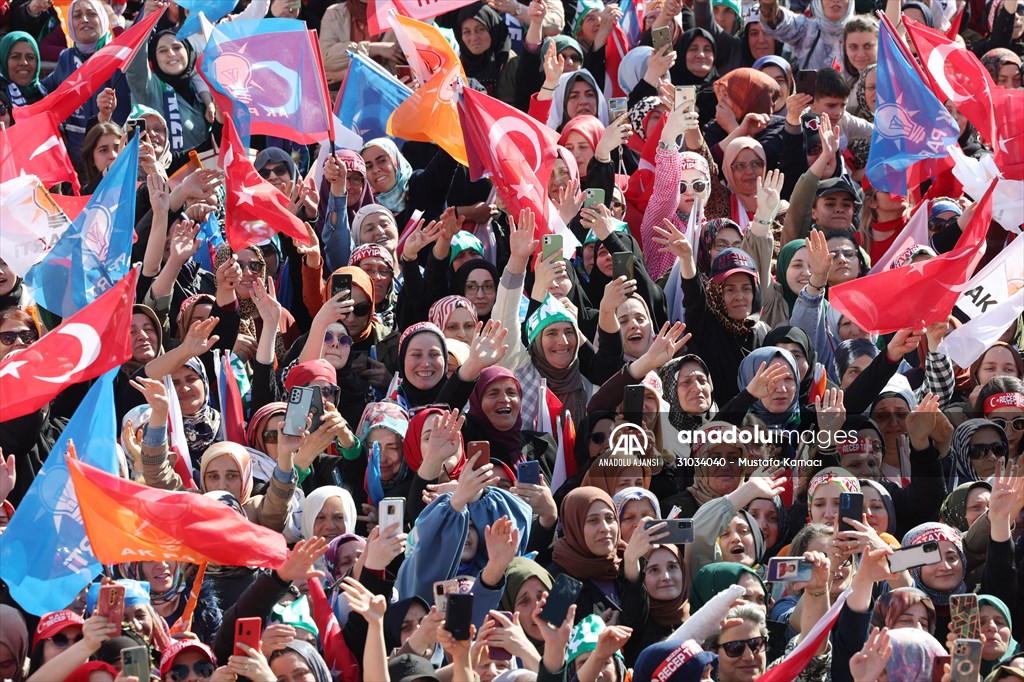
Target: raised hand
(769, 195)
(521, 239)
(299, 564)
(765, 379)
(1007, 497)
(472, 482)
(382, 546)
(599, 219)
(183, 241)
(554, 63)
(820, 257)
(869, 663)
(311, 257)
(830, 410)
(673, 241)
(8, 475)
(265, 299)
(276, 637)
(421, 236)
(159, 193)
(229, 274)
(667, 343)
(616, 292)
(923, 421)
(502, 541)
(659, 63)
(253, 666)
(106, 102)
(155, 393)
(198, 339)
(569, 200)
(614, 136)
(444, 441)
(370, 606)
(487, 349)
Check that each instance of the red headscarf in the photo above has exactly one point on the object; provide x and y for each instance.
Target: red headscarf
(412, 451)
(590, 127)
(305, 373)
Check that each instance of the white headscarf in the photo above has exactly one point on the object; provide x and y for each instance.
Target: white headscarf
(103, 31)
(556, 116)
(315, 502)
(833, 27)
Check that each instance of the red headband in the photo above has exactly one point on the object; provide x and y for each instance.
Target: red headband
(855, 447)
(994, 402)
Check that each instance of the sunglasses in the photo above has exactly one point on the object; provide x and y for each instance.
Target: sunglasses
(343, 340)
(1017, 422)
(697, 185)
(279, 171)
(202, 669)
(26, 336)
(330, 392)
(979, 450)
(735, 649)
(361, 309)
(62, 641)
(598, 437)
(253, 266)
(1020, 10)
(269, 436)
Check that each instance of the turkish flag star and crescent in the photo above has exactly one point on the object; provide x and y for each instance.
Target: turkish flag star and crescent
(84, 346)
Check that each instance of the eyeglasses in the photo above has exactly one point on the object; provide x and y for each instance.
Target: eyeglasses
(61, 641)
(1020, 10)
(26, 336)
(253, 266)
(979, 450)
(847, 253)
(697, 185)
(616, 204)
(360, 310)
(343, 340)
(202, 669)
(744, 166)
(330, 391)
(472, 289)
(270, 436)
(1017, 422)
(735, 649)
(280, 171)
(939, 224)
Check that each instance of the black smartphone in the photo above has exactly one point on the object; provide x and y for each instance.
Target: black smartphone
(341, 282)
(806, 82)
(459, 615)
(563, 595)
(133, 124)
(680, 531)
(851, 506)
(316, 409)
(622, 264)
(528, 472)
(633, 404)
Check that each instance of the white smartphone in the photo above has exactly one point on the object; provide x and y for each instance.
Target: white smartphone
(391, 512)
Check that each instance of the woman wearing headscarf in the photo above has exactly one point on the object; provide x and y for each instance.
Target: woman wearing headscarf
(667, 586)
(344, 190)
(477, 280)
(495, 414)
(904, 607)
(865, 102)
(170, 585)
(613, 474)
(581, 135)
(695, 64)
(455, 316)
(723, 529)
(402, 190)
(964, 504)
(14, 643)
(384, 474)
(716, 577)
(164, 78)
(633, 67)
(997, 626)
(379, 263)
(525, 582)
(486, 50)
(816, 40)
(942, 580)
(779, 70)
(19, 67)
(743, 162)
(880, 510)
(779, 405)
(913, 651)
(328, 512)
(812, 382)
(729, 51)
(283, 661)
(711, 481)
(576, 94)
(773, 519)
(977, 448)
(589, 552)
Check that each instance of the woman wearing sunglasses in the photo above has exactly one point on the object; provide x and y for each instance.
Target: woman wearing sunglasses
(18, 330)
(741, 645)
(1001, 401)
(187, 661)
(63, 641)
(976, 450)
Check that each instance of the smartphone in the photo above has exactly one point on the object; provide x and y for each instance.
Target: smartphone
(135, 662)
(938, 667)
(111, 605)
(528, 472)
(965, 619)
(851, 506)
(341, 282)
(686, 97)
(806, 82)
(459, 616)
(660, 37)
(550, 245)
(442, 589)
(788, 569)
(479, 447)
(360, 360)
(300, 401)
(391, 512)
(680, 531)
(633, 404)
(925, 554)
(247, 631)
(404, 71)
(617, 106)
(497, 653)
(622, 264)
(133, 124)
(592, 197)
(966, 663)
(563, 595)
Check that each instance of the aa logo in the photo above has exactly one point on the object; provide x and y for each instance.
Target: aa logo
(628, 440)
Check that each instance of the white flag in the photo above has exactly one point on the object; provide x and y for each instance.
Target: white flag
(914, 234)
(994, 283)
(31, 222)
(966, 344)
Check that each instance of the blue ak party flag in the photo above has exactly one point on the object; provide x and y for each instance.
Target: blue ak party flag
(369, 97)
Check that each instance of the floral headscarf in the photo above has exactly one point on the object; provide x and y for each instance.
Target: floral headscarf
(938, 532)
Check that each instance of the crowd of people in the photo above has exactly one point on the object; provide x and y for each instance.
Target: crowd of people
(448, 359)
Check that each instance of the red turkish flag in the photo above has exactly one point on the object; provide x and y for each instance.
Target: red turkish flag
(254, 210)
(956, 74)
(1009, 148)
(84, 346)
(517, 151)
(39, 151)
(96, 71)
(891, 300)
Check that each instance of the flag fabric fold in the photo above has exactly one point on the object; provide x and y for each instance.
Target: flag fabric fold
(424, 10)
(32, 223)
(966, 344)
(45, 558)
(368, 97)
(128, 522)
(915, 233)
(84, 346)
(94, 252)
(993, 284)
(40, 151)
(790, 667)
(892, 300)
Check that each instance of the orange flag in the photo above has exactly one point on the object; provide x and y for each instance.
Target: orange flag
(431, 113)
(129, 522)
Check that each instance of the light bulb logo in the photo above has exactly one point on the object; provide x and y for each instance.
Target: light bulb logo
(894, 122)
(234, 72)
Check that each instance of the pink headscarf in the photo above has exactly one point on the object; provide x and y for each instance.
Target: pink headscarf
(733, 150)
(590, 127)
(443, 309)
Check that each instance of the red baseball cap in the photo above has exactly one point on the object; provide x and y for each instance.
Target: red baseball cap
(53, 623)
(167, 660)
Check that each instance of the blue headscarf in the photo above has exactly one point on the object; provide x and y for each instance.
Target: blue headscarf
(748, 368)
(135, 593)
(394, 198)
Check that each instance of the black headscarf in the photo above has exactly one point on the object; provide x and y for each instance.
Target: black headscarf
(419, 397)
(182, 83)
(790, 334)
(393, 618)
(486, 67)
(680, 74)
(463, 273)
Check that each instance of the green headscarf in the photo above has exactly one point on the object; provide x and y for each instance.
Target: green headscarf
(583, 8)
(562, 43)
(716, 577)
(782, 265)
(30, 92)
(953, 511)
(519, 570)
(296, 614)
(1012, 647)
